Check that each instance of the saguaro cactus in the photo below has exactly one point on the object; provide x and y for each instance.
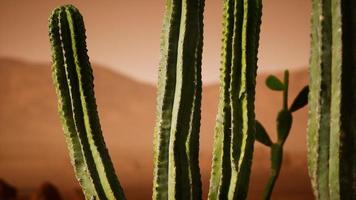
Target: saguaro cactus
(235, 124)
(332, 100)
(176, 136)
(73, 80)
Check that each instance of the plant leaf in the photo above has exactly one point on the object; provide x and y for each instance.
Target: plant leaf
(274, 83)
(301, 100)
(261, 135)
(284, 124)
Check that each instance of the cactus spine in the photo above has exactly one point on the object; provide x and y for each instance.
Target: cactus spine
(73, 80)
(235, 125)
(176, 136)
(332, 110)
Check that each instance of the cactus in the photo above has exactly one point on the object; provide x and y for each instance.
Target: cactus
(73, 80)
(284, 123)
(176, 136)
(235, 124)
(176, 144)
(332, 112)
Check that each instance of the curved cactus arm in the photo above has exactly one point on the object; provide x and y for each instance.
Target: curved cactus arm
(73, 80)
(65, 109)
(221, 168)
(331, 126)
(176, 145)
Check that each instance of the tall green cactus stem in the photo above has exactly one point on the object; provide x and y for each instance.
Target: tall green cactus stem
(332, 111)
(176, 137)
(235, 125)
(73, 80)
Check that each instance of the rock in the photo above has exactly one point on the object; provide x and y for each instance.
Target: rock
(7, 192)
(47, 191)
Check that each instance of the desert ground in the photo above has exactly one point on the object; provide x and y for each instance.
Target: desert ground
(33, 149)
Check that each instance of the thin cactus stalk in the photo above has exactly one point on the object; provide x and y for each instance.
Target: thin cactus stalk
(284, 123)
(73, 80)
(176, 136)
(332, 110)
(235, 124)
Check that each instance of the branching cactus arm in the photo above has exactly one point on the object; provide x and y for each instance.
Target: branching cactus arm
(284, 123)
(65, 109)
(73, 79)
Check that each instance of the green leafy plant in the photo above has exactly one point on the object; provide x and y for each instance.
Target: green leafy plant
(332, 111)
(284, 124)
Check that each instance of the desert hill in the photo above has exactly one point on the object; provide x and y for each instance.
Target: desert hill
(33, 150)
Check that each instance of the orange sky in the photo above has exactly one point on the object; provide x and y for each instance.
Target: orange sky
(124, 34)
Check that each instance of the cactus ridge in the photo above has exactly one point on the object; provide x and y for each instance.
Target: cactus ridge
(192, 143)
(247, 87)
(65, 109)
(221, 168)
(235, 125)
(176, 145)
(73, 80)
(331, 125)
(165, 97)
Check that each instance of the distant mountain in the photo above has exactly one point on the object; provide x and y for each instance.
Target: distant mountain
(33, 150)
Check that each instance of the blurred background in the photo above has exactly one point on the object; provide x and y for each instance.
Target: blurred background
(123, 43)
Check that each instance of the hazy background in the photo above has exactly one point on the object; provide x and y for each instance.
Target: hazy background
(124, 34)
(123, 42)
